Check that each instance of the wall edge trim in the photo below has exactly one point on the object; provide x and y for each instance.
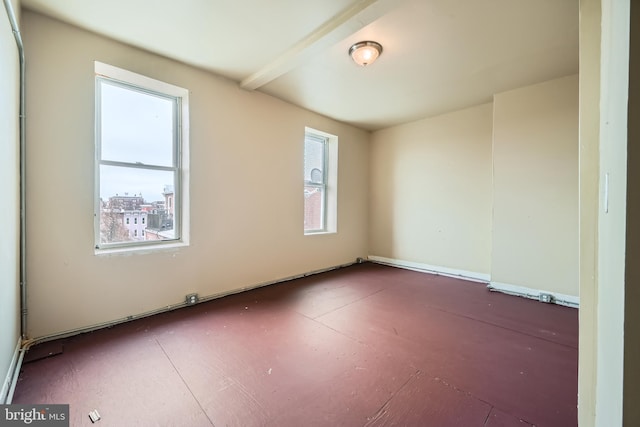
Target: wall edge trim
(12, 374)
(433, 269)
(531, 293)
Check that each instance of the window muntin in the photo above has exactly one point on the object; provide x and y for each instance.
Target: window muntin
(139, 147)
(316, 151)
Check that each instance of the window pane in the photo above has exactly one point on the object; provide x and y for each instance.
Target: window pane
(313, 208)
(136, 126)
(136, 204)
(314, 160)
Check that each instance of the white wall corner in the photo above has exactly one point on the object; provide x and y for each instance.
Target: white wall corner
(521, 291)
(12, 375)
(433, 269)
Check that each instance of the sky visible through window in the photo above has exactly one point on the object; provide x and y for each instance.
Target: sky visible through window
(313, 159)
(314, 194)
(137, 127)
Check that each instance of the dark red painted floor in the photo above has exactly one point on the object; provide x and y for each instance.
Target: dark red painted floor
(367, 345)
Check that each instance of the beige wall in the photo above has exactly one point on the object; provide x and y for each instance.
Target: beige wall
(607, 372)
(590, 17)
(631, 414)
(431, 191)
(611, 211)
(246, 161)
(535, 187)
(433, 201)
(9, 202)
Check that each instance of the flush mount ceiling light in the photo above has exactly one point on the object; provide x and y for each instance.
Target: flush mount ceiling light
(364, 53)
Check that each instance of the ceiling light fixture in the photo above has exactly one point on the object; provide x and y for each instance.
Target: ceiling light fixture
(364, 53)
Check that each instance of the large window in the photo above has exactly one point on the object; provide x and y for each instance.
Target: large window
(141, 141)
(320, 182)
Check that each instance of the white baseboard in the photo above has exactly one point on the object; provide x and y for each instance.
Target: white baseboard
(521, 291)
(434, 269)
(12, 372)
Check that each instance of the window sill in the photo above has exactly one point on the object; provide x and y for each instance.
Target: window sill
(316, 233)
(141, 250)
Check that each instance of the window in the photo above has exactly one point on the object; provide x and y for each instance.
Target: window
(141, 149)
(320, 182)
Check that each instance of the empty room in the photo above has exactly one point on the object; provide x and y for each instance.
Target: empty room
(323, 213)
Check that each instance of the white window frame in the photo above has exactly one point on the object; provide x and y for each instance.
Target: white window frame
(329, 183)
(138, 82)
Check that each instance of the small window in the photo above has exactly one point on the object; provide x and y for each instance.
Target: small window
(141, 149)
(320, 182)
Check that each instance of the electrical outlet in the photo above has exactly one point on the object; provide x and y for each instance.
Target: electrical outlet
(191, 299)
(544, 297)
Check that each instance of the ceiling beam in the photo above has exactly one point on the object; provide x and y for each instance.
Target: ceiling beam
(352, 19)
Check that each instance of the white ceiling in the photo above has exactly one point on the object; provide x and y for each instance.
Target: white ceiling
(439, 55)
